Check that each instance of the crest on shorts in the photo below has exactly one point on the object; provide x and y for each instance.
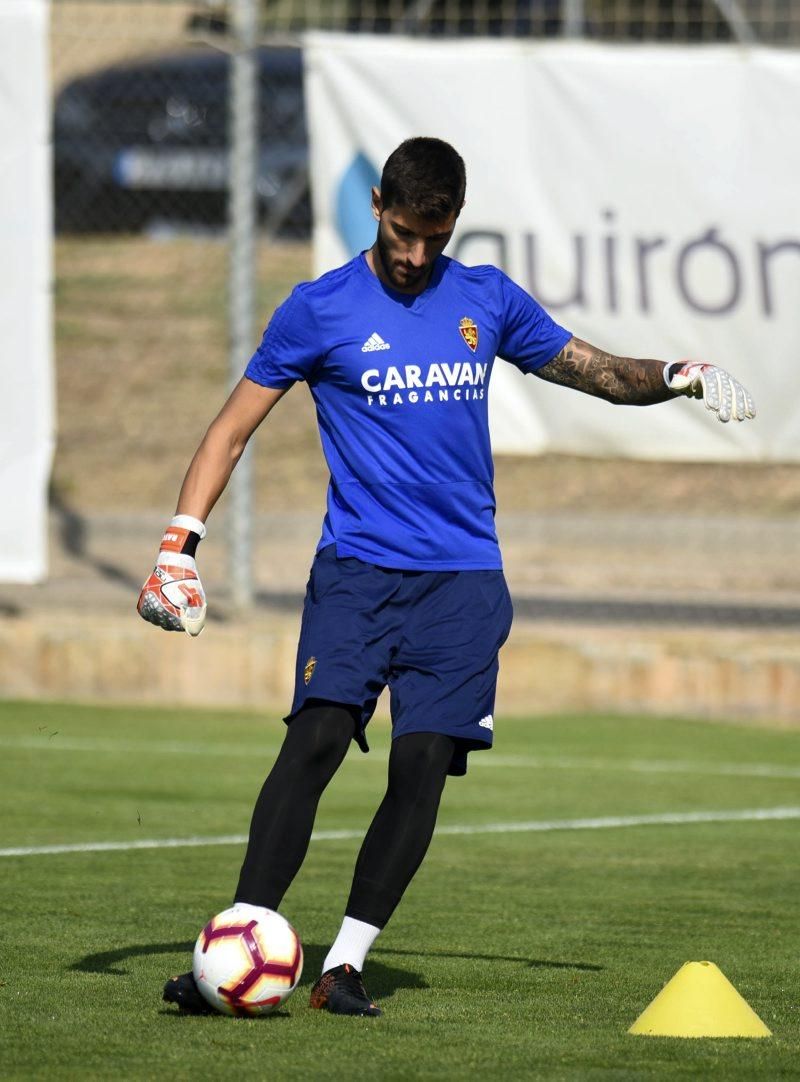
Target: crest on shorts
(308, 671)
(469, 332)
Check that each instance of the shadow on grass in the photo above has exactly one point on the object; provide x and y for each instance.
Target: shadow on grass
(108, 961)
(533, 963)
(384, 980)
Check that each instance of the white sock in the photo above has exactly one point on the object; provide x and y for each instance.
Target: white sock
(351, 944)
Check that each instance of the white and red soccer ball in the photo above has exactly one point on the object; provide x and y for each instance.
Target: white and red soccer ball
(247, 960)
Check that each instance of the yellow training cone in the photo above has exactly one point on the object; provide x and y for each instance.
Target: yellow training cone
(699, 1001)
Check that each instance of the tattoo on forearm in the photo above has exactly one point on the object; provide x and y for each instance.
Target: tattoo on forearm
(623, 380)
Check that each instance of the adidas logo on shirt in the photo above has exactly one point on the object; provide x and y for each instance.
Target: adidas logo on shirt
(487, 722)
(374, 342)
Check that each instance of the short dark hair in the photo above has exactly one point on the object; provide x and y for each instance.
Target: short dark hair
(426, 176)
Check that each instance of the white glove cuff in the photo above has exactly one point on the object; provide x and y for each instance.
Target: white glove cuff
(670, 370)
(176, 559)
(188, 522)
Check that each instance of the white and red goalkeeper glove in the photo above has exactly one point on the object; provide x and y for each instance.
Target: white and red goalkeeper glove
(722, 394)
(173, 596)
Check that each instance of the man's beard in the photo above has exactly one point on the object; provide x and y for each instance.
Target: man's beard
(386, 263)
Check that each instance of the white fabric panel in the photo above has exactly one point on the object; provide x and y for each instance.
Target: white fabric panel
(26, 379)
(670, 171)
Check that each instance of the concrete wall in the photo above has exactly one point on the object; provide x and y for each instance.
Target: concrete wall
(726, 675)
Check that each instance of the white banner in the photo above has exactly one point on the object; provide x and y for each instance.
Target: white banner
(26, 382)
(646, 196)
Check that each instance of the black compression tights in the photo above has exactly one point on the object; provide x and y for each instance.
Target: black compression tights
(283, 818)
(401, 831)
(397, 840)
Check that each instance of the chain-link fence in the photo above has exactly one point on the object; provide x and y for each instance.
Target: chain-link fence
(181, 221)
(142, 151)
(773, 21)
(141, 119)
(141, 139)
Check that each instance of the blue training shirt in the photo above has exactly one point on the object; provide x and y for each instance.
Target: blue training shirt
(401, 387)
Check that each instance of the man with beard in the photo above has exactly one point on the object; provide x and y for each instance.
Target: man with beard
(406, 589)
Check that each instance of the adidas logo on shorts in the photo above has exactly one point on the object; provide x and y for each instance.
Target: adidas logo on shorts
(487, 722)
(374, 342)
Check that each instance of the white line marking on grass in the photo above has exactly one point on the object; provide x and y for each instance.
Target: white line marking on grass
(540, 826)
(126, 747)
(495, 759)
(641, 766)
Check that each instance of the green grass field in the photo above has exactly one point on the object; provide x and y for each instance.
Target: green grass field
(516, 953)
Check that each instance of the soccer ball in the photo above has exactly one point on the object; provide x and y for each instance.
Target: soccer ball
(247, 960)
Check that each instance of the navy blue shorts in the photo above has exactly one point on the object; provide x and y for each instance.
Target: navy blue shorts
(431, 636)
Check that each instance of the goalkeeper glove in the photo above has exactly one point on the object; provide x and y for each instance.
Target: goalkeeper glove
(722, 394)
(173, 596)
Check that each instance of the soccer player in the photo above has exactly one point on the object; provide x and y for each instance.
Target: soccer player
(406, 589)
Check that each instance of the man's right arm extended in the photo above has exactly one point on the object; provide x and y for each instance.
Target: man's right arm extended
(173, 596)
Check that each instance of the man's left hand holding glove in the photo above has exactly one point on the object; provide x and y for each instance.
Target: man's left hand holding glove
(173, 596)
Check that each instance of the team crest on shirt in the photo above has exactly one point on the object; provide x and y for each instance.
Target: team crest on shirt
(308, 671)
(469, 332)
